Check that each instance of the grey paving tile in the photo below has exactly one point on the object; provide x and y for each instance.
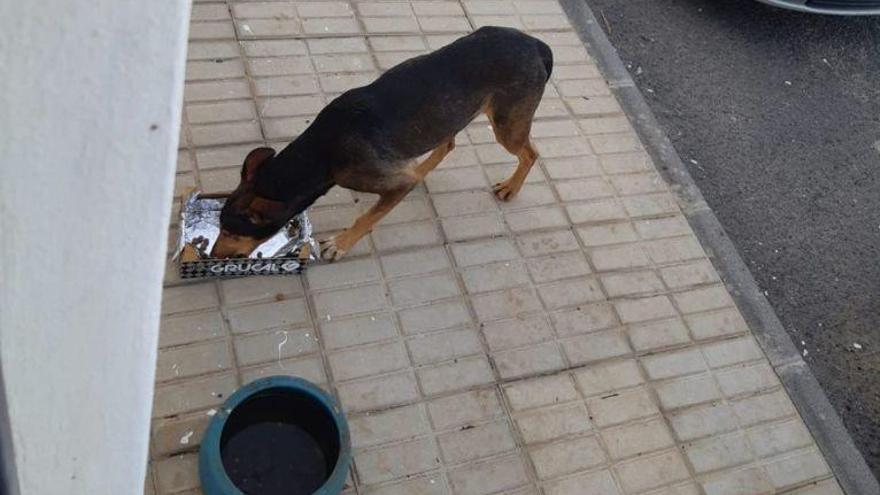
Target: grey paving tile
(252, 318)
(444, 346)
(554, 423)
(185, 329)
(497, 475)
(379, 392)
(275, 346)
(388, 426)
(466, 408)
(365, 361)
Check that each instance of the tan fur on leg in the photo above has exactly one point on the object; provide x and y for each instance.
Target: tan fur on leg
(334, 248)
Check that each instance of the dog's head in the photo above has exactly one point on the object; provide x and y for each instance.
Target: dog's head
(247, 219)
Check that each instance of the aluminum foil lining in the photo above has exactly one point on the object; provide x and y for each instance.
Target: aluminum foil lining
(200, 227)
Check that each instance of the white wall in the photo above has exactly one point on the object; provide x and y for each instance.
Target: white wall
(90, 95)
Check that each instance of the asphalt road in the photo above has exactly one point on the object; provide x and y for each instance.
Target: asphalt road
(777, 116)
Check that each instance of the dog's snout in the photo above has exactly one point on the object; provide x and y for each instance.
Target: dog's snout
(233, 246)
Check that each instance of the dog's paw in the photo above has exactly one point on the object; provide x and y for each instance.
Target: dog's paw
(330, 250)
(504, 191)
(305, 252)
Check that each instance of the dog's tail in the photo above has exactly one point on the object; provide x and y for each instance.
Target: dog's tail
(546, 55)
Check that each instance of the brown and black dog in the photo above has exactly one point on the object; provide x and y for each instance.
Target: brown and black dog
(368, 138)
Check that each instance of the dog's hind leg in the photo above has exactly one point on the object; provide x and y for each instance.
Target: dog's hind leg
(334, 248)
(511, 119)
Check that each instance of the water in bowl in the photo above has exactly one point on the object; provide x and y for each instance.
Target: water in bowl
(275, 459)
(276, 444)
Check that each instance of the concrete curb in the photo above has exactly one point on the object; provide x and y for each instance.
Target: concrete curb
(840, 451)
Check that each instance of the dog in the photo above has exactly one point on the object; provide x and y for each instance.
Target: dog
(369, 138)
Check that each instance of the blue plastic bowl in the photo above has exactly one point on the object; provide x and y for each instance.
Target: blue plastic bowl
(276, 432)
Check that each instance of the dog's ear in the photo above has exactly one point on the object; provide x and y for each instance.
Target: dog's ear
(253, 161)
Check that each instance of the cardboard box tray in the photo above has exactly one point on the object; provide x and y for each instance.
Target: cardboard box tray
(285, 253)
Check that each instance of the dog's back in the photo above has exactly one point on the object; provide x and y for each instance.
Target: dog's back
(417, 104)
(443, 91)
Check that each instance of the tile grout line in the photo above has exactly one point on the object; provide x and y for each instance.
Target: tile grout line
(532, 284)
(251, 80)
(521, 451)
(637, 355)
(650, 384)
(311, 304)
(476, 325)
(216, 283)
(497, 385)
(621, 326)
(394, 311)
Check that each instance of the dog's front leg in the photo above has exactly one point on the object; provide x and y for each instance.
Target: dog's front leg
(334, 248)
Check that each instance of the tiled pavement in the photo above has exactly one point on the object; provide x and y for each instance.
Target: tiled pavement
(576, 340)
